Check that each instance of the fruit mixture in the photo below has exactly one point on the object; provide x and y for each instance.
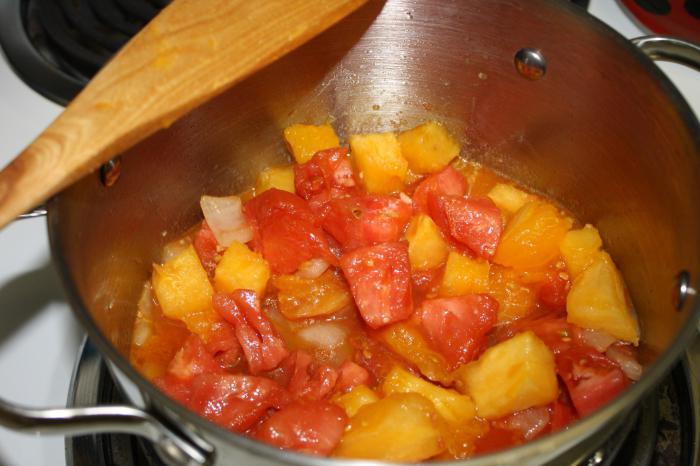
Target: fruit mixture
(386, 299)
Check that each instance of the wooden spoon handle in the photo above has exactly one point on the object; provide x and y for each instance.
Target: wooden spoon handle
(192, 51)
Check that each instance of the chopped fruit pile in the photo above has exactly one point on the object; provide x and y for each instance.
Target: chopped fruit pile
(386, 300)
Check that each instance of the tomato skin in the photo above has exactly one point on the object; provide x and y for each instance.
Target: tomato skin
(285, 230)
(235, 402)
(307, 427)
(591, 378)
(207, 248)
(262, 346)
(551, 328)
(475, 222)
(223, 345)
(457, 326)
(448, 182)
(309, 380)
(360, 221)
(380, 281)
(328, 172)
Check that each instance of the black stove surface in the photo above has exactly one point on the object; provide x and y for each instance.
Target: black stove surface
(57, 46)
(660, 432)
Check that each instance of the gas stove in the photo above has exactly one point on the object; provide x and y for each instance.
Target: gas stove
(42, 347)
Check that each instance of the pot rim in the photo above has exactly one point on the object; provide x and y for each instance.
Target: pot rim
(539, 448)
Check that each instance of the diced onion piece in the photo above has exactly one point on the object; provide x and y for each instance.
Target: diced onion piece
(226, 220)
(529, 422)
(173, 249)
(597, 339)
(312, 268)
(144, 316)
(142, 331)
(323, 335)
(629, 365)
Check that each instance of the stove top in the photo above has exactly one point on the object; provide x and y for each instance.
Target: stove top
(56, 46)
(39, 338)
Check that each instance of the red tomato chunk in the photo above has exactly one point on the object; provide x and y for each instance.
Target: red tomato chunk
(380, 281)
(286, 231)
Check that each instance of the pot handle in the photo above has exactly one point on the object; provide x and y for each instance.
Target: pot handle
(173, 447)
(670, 49)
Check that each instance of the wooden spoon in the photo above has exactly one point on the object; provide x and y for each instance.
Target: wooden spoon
(192, 51)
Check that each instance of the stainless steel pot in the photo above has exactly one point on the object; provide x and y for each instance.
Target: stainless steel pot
(603, 131)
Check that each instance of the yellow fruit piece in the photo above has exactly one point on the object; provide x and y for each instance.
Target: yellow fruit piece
(451, 405)
(515, 299)
(304, 141)
(513, 375)
(508, 198)
(597, 300)
(426, 248)
(275, 177)
(241, 269)
(531, 238)
(400, 427)
(464, 275)
(182, 288)
(428, 148)
(352, 401)
(580, 248)
(300, 298)
(408, 342)
(378, 160)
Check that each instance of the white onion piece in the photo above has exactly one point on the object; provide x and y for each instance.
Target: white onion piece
(529, 422)
(173, 249)
(630, 366)
(144, 316)
(312, 268)
(226, 220)
(596, 339)
(323, 335)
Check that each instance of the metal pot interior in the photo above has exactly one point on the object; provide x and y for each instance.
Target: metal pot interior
(603, 133)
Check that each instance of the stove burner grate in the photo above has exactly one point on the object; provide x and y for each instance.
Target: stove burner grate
(57, 46)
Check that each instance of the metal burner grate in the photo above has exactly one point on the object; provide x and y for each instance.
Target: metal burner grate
(57, 46)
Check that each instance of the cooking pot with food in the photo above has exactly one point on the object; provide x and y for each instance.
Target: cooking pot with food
(535, 89)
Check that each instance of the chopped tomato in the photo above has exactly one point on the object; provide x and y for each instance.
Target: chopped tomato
(562, 414)
(223, 345)
(360, 221)
(328, 172)
(350, 375)
(474, 222)
(496, 438)
(591, 378)
(447, 182)
(235, 402)
(177, 389)
(457, 327)
(206, 246)
(308, 427)
(380, 281)
(192, 359)
(262, 347)
(309, 380)
(285, 230)
(552, 293)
